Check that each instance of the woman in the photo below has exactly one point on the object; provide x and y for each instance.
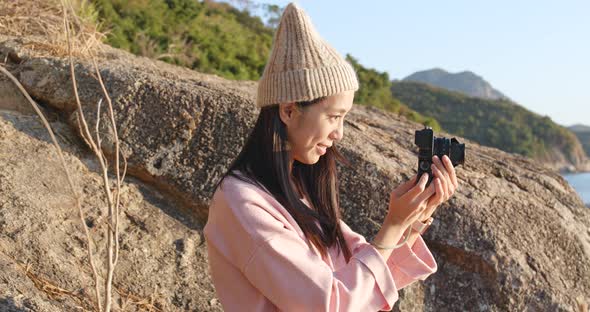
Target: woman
(274, 234)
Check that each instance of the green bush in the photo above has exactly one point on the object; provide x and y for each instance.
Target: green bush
(207, 36)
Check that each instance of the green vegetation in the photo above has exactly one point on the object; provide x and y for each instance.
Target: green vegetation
(583, 134)
(585, 140)
(374, 90)
(497, 123)
(206, 36)
(217, 38)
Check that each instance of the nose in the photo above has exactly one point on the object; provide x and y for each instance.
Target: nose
(338, 133)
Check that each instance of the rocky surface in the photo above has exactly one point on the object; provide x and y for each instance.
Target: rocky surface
(162, 252)
(514, 237)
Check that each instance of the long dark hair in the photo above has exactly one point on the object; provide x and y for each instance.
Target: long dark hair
(264, 161)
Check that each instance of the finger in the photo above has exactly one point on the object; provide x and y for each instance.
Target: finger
(438, 173)
(451, 170)
(422, 209)
(419, 211)
(428, 192)
(403, 188)
(417, 189)
(438, 197)
(444, 170)
(441, 191)
(441, 167)
(447, 179)
(435, 200)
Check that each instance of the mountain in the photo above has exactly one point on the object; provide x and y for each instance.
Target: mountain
(374, 90)
(497, 123)
(579, 128)
(583, 134)
(465, 82)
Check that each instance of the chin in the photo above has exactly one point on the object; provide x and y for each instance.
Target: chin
(314, 162)
(310, 160)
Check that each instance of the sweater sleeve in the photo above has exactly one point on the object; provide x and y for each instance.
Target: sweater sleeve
(407, 265)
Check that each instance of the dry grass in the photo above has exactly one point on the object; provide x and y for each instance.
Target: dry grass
(55, 292)
(42, 23)
(142, 304)
(72, 34)
(51, 289)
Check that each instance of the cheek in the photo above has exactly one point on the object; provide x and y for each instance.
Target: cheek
(300, 137)
(326, 129)
(321, 134)
(309, 132)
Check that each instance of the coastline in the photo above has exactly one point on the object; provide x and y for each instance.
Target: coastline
(570, 170)
(570, 177)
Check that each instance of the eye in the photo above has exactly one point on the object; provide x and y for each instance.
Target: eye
(335, 117)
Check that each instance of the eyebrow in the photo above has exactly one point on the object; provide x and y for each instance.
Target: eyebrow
(342, 110)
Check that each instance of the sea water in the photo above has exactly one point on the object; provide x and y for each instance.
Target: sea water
(581, 183)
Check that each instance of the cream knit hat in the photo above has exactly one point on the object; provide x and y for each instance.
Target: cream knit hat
(302, 66)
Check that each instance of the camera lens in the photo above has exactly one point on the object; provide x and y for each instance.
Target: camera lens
(457, 152)
(442, 146)
(424, 165)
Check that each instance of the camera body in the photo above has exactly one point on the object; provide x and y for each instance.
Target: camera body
(429, 145)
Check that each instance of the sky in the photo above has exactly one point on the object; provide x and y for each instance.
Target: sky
(535, 52)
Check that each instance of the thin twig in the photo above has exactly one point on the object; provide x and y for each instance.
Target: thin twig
(113, 215)
(94, 148)
(98, 122)
(116, 141)
(68, 176)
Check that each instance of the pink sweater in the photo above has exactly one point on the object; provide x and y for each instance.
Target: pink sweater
(260, 260)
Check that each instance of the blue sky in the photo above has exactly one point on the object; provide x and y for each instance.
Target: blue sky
(535, 52)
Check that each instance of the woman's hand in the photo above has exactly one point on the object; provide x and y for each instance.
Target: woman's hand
(408, 201)
(445, 182)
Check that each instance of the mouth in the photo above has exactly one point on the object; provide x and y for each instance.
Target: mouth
(322, 148)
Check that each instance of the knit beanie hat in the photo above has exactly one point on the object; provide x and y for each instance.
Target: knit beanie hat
(302, 66)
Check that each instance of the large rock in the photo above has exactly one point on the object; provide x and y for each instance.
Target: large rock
(162, 253)
(514, 237)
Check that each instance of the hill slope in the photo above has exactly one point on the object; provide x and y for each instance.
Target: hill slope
(207, 36)
(583, 134)
(496, 123)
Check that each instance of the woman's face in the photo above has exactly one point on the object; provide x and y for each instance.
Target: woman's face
(315, 128)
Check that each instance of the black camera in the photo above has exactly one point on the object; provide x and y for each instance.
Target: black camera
(429, 145)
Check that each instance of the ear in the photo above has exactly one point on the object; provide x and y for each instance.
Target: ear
(287, 112)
